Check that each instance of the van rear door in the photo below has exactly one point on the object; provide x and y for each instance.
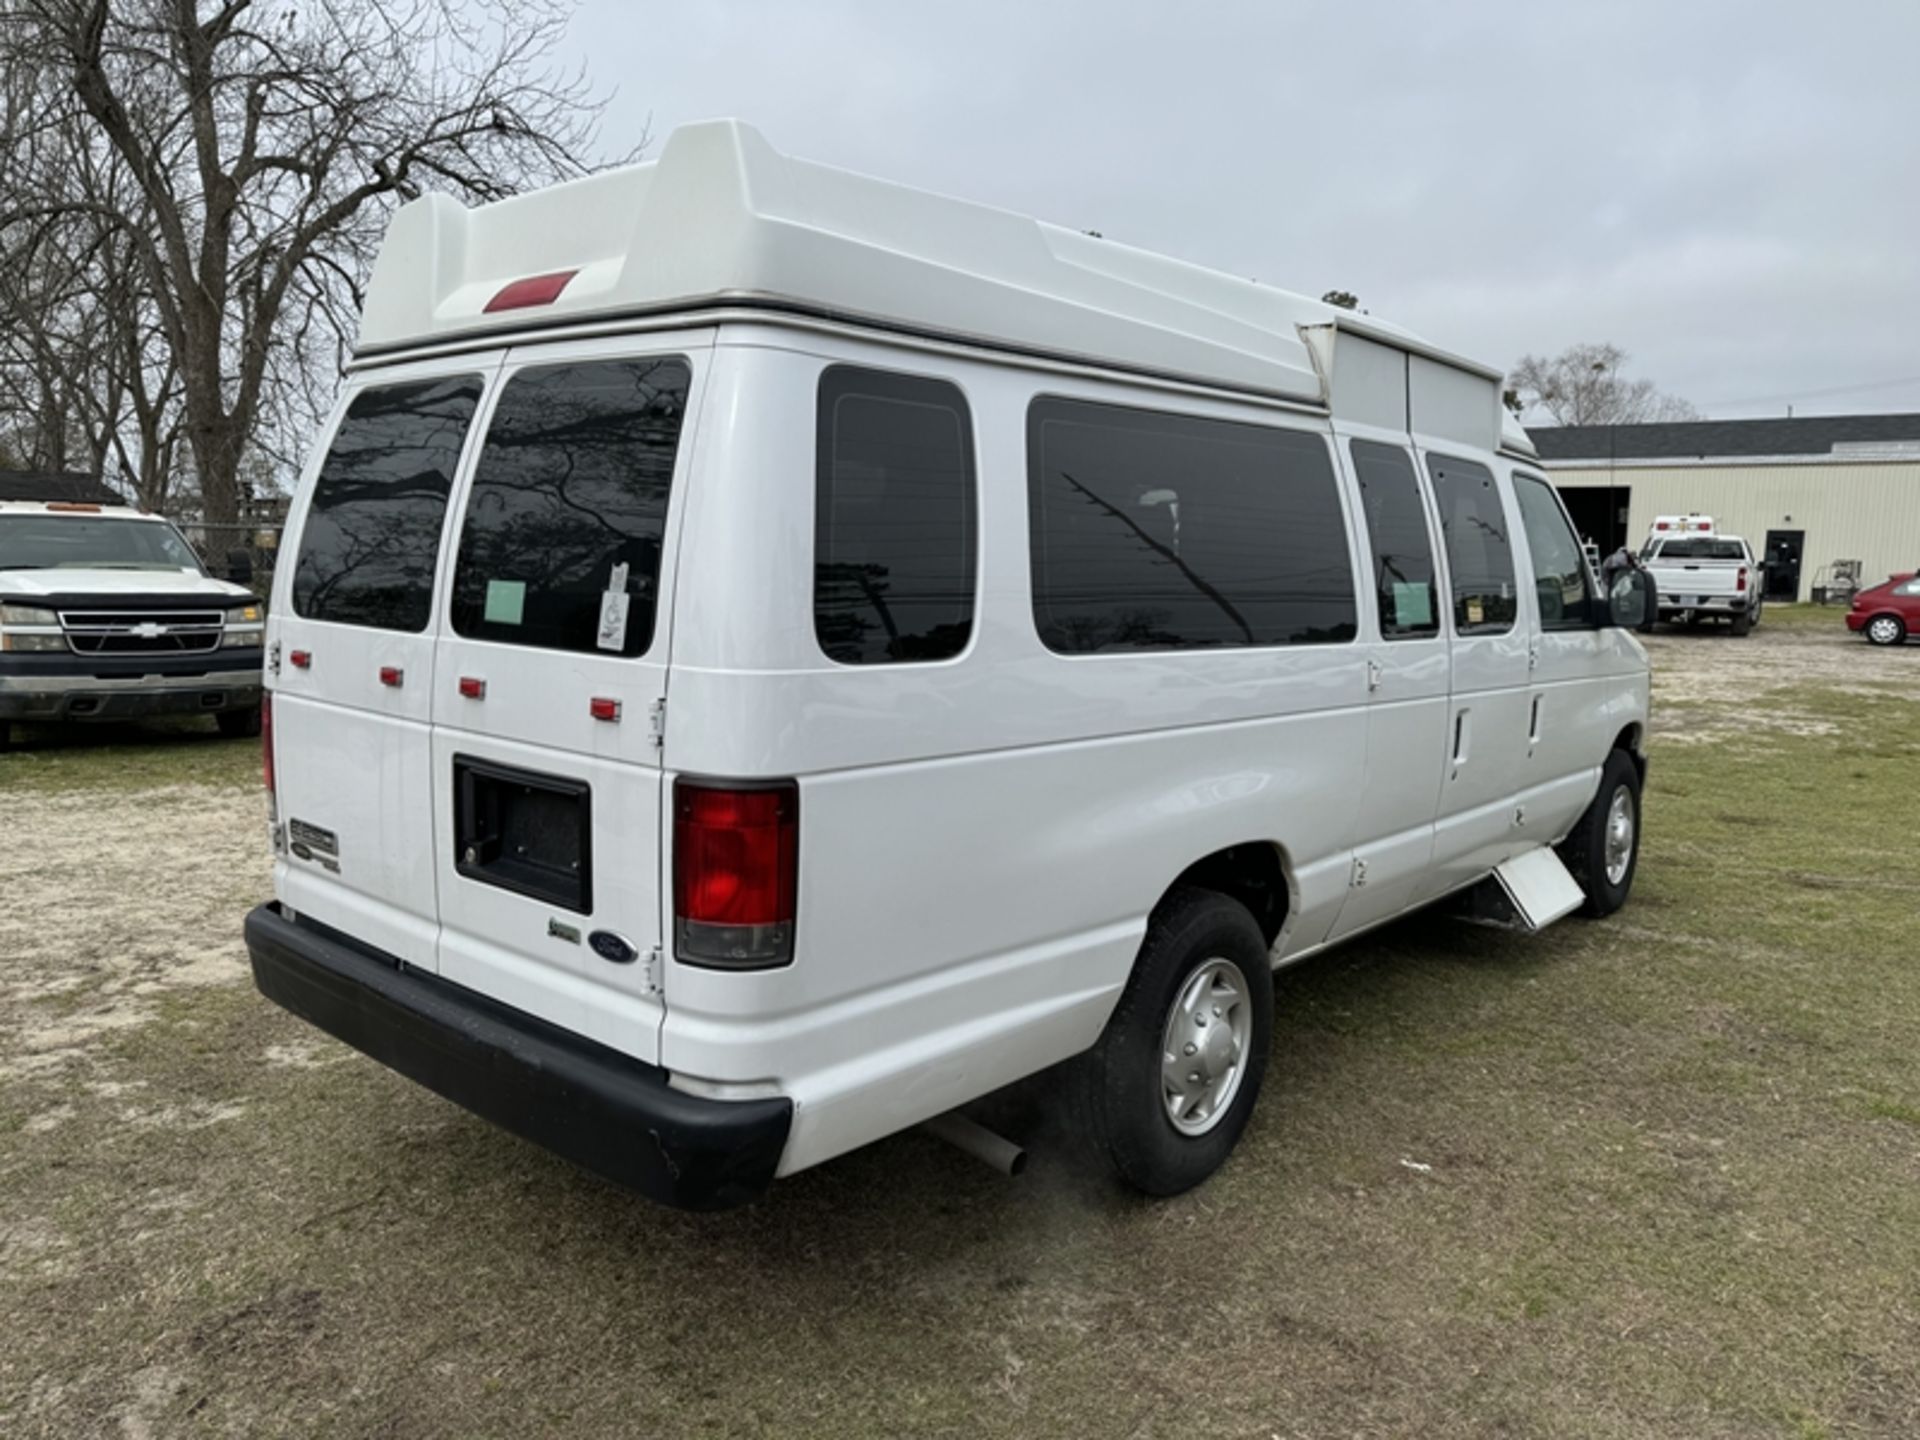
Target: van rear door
(551, 668)
(354, 622)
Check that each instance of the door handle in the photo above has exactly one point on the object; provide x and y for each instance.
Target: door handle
(1462, 737)
(1375, 674)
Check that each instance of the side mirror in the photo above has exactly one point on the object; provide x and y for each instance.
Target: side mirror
(240, 567)
(1630, 599)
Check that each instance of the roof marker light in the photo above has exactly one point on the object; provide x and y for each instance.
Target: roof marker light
(534, 290)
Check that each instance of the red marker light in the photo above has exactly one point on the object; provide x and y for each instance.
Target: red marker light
(604, 709)
(392, 675)
(534, 290)
(472, 687)
(300, 659)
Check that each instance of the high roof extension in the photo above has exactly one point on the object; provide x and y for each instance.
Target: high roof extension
(722, 220)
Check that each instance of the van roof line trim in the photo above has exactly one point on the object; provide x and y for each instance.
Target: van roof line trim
(768, 311)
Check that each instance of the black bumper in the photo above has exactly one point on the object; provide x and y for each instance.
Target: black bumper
(606, 1111)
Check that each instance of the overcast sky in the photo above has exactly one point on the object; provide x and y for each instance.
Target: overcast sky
(1729, 192)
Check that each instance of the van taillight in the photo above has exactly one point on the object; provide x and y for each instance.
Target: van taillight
(266, 741)
(1740, 580)
(736, 873)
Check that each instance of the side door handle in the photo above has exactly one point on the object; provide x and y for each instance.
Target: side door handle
(1462, 737)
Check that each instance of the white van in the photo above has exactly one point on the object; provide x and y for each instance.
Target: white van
(771, 656)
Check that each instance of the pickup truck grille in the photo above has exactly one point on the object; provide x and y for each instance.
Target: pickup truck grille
(142, 632)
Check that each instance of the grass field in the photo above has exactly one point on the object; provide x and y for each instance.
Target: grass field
(1658, 1176)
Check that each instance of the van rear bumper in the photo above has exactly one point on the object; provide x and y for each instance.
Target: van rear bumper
(615, 1115)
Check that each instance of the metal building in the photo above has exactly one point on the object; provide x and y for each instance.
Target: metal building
(1806, 492)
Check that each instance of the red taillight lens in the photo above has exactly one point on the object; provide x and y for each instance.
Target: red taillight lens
(266, 741)
(736, 873)
(1740, 580)
(534, 290)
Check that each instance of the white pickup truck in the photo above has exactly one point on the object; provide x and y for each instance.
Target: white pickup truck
(106, 613)
(1702, 574)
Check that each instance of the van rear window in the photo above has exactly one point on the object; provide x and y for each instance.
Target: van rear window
(371, 537)
(561, 546)
(1169, 532)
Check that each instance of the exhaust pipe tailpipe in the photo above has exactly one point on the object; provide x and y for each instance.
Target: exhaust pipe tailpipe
(978, 1141)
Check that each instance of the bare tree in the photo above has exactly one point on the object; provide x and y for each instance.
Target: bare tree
(250, 152)
(1582, 385)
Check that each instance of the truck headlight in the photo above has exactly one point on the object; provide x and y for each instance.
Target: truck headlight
(243, 630)
(30, 628)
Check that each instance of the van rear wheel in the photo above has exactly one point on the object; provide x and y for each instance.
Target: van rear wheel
(1165, 1093)
(1603, 849)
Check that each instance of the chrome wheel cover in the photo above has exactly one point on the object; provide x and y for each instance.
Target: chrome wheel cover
(1621, 828)
(1204, 1047)
(1885, 629)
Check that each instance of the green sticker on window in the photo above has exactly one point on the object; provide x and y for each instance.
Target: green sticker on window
(506, 601)
(1412, 604)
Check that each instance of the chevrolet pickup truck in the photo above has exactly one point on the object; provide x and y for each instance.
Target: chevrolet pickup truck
(106, 613)
(1706, 577)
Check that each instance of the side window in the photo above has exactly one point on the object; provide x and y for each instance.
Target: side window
(1559, 566)
(371, 537)
(1402, 548)
(561, 547)
(1479, 552)
(1167, 532)
(894, 518)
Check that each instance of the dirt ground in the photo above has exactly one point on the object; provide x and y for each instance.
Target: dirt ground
(1658, 1176)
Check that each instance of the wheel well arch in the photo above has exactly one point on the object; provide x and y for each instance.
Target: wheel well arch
(1255, 873)
(1633, 741)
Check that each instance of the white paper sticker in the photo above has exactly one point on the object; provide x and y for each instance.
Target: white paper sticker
(613, 622)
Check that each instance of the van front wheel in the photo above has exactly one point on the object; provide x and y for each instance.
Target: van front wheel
(1165, 1093)
(1603, 849)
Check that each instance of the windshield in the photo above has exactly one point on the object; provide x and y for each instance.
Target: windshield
(96, 542)
(1701, 548)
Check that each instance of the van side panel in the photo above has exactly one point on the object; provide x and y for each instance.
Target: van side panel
(981, 838)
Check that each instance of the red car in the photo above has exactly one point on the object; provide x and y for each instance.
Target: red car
(1889, 613)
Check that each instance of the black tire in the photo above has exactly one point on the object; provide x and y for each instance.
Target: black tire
(1879, 632)
(1743, 623)
(1120, 1107)
(1585, 849)
(239, 724)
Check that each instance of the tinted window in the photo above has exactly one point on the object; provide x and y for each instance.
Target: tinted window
(1158, 531)
(561, 547)
(1559, 565)
(1700, 548)
(1479, 551)
(893, 518)
(1402, 548)
(371, 538)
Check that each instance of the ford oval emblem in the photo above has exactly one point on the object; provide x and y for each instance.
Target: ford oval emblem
(609, 946)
